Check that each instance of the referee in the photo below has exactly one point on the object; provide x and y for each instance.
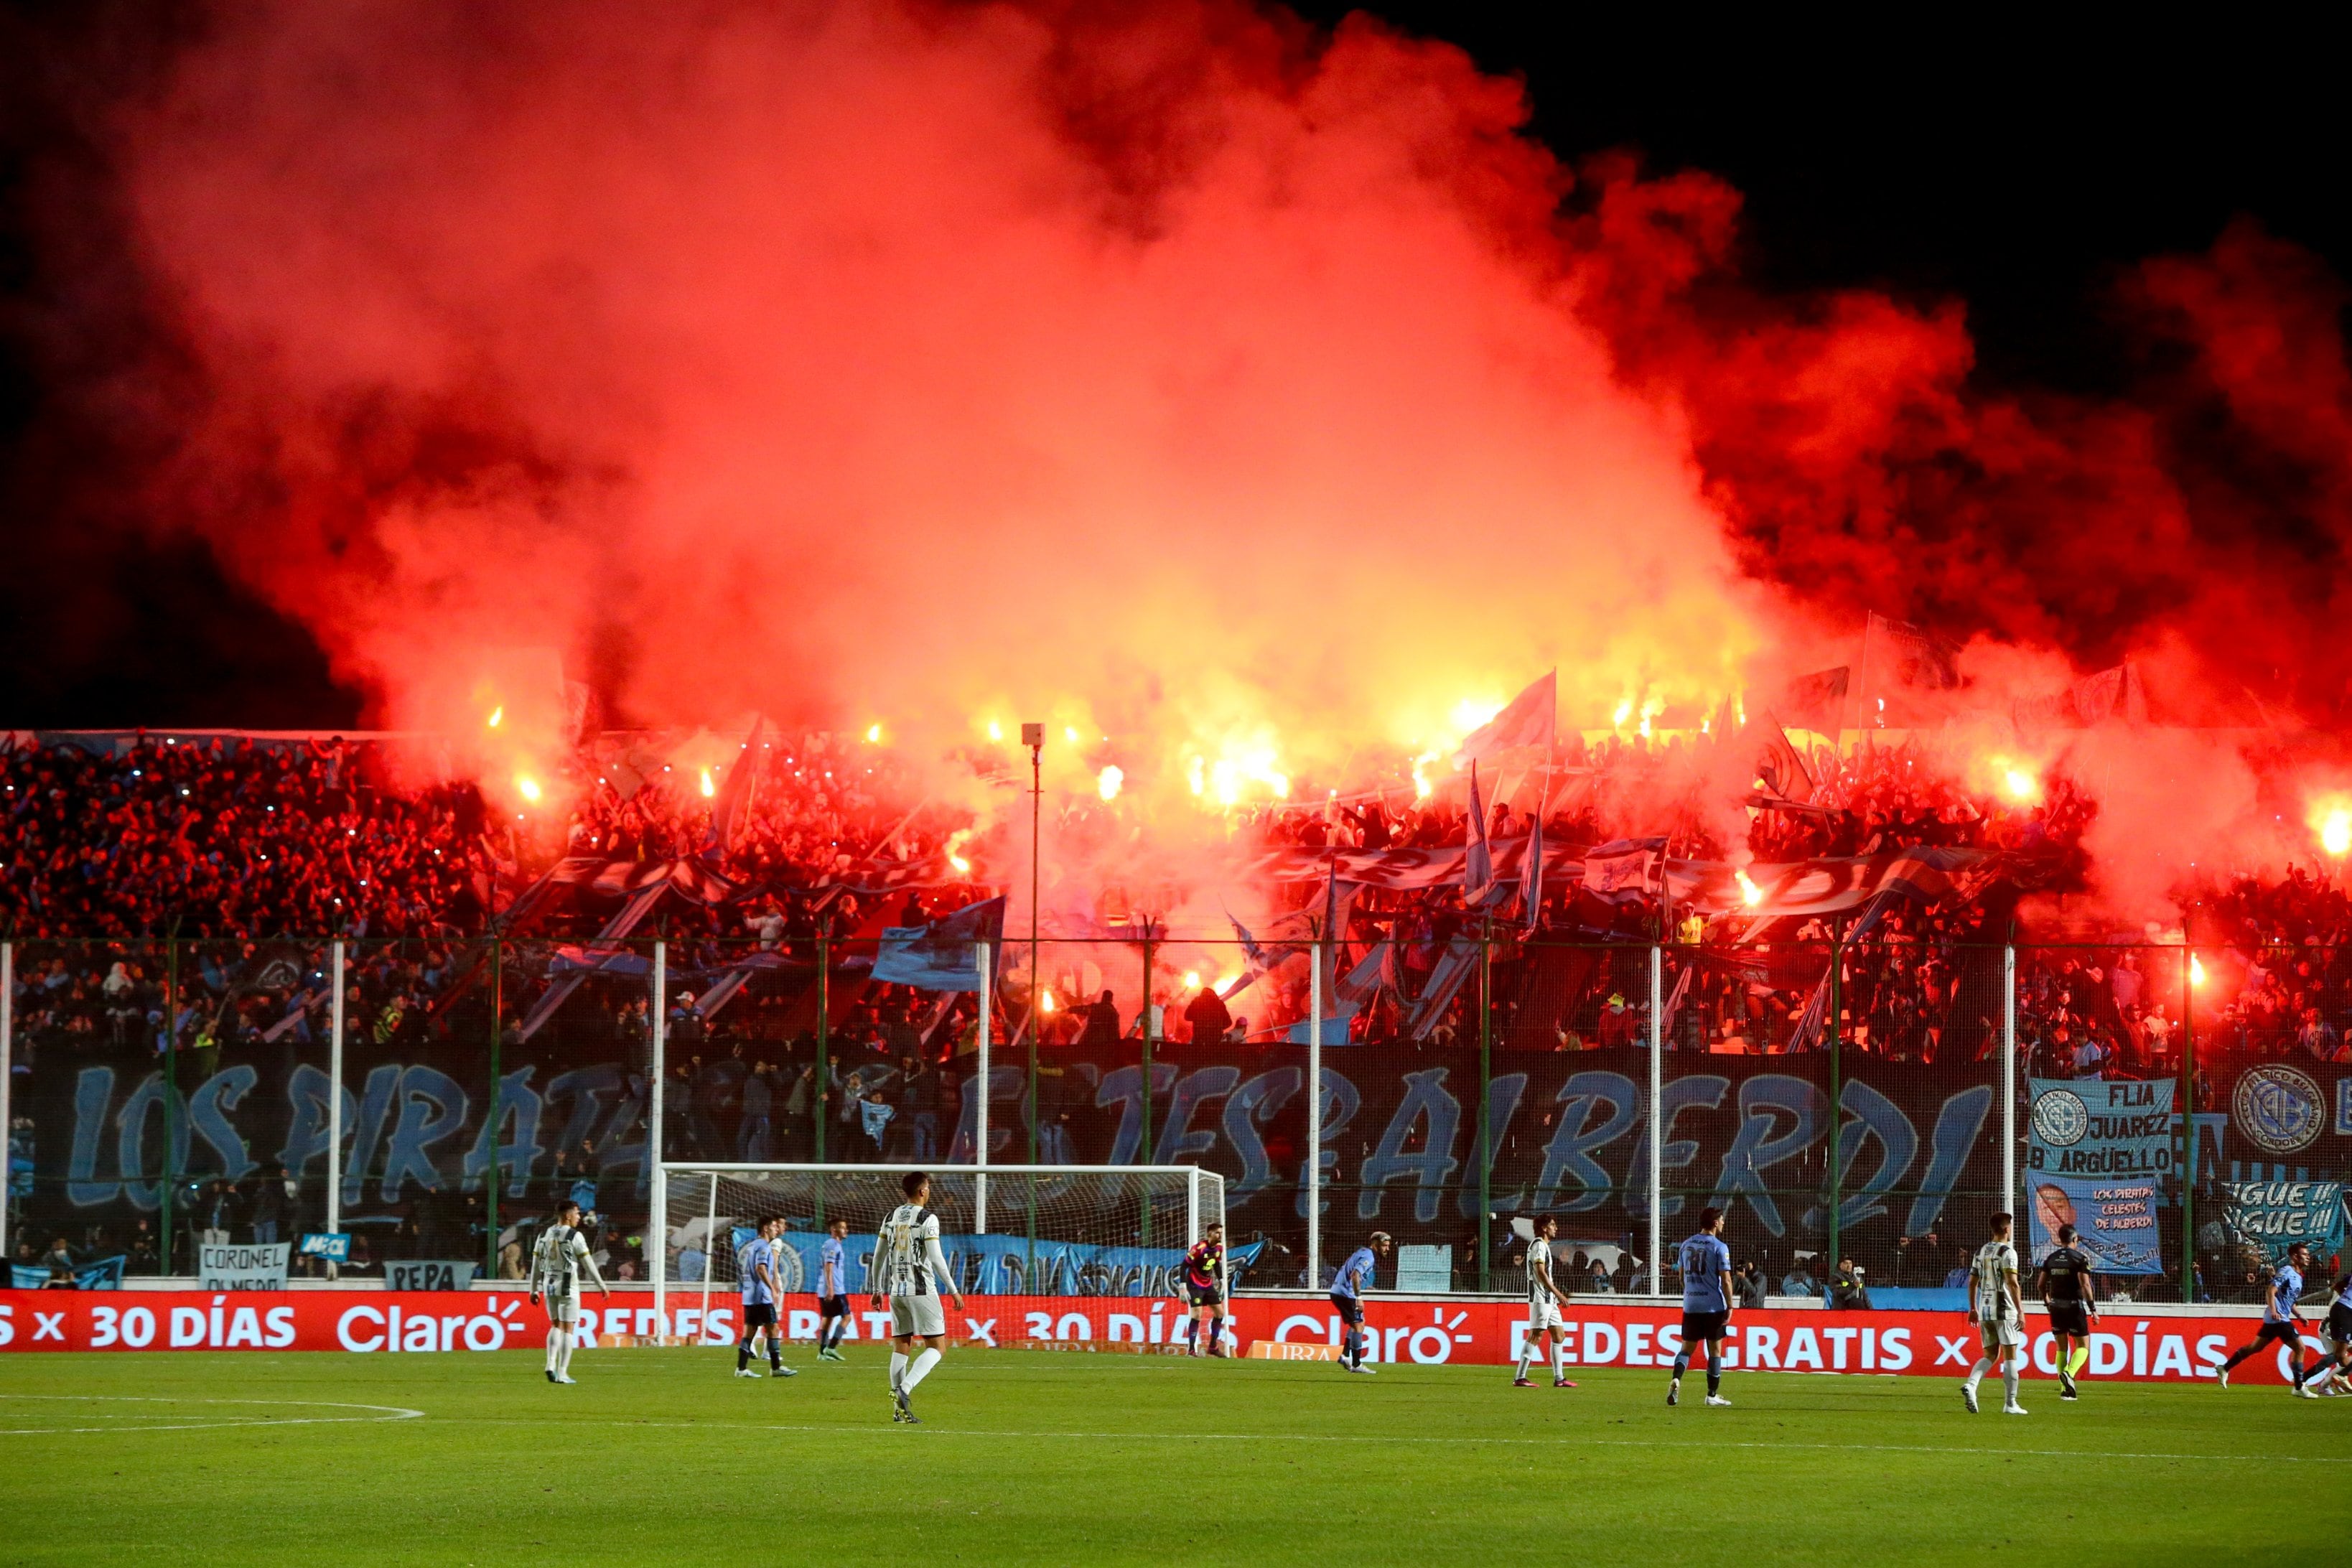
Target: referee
(2073, 1302)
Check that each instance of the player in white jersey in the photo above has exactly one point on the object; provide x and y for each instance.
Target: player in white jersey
(1999, 1314)
(1544, 1299)
(555, 1262)
(908, 1275)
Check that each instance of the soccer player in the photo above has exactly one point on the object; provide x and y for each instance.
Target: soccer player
(1998, 1315)
(756, 1272)
(555, 1260)
(908, 1273)
(1705, 1263)
(2279, 1321)
(832, 1291)
(2073, 1301)
(1354, 1277)
(1205, 1291)
(2340, 1341)
(1544, 1299)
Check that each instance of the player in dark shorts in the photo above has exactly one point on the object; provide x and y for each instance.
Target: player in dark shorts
(2279, 1321)
(1706, 1265)
(1204, 1292)
(2338, 1367)
(2073, 1302)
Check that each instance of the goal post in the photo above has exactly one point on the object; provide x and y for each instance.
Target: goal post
(1078, 1230)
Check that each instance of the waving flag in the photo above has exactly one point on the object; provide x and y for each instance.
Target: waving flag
(1531, 870)
(943, 955)
(735, 794)
(1478, 866)
(1531, 719)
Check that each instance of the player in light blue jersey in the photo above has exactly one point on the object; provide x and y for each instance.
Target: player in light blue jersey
(832, 1291)
(1354, 1278)
(756, 1274)
(2279, 1321)
(1705, 1263)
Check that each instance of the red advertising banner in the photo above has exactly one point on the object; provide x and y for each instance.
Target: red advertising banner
(1428, 1331)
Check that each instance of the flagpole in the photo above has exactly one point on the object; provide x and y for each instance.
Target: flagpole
(1315, 1118)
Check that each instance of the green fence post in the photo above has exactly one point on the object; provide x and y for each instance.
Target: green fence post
(498, 1037)
(1829, 1264)
(823, 1034)
(1486, 1069)
(2187, 1120)
(167, 1241)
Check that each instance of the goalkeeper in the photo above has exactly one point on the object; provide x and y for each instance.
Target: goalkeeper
(1205, 1291)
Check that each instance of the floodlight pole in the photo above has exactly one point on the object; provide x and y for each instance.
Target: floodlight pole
(657, 1226)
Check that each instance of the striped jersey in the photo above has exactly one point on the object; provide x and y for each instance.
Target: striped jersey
(555, 1260)
(1996, 1262)
(907, 1258)
(1538, 1265)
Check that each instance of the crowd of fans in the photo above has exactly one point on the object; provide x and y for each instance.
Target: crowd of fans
(237, 844)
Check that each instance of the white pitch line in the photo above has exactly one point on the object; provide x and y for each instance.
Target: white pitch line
(881, 1431)
(383, 1413)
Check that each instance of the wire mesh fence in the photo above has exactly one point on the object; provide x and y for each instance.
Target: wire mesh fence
(1859, 1110)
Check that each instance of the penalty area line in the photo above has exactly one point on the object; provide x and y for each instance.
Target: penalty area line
(1343, 1437)
(379, 1412)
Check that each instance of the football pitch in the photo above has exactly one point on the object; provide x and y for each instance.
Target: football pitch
(661, 1456)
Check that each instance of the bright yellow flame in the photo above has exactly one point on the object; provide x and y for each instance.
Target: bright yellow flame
(1069, 734)
(1045, 1001)
(1472, 713)
(2335, 832)
(1225, 981)
(528, 786)
(874, 732)
(1749, 893)
(498, 713)
(996, 731)
(1107, 781)
(1625, 711)
(956, 841)
(709, 788)
(1192, 980)
(2019, 783)
(2196, 971)
(1421, 788)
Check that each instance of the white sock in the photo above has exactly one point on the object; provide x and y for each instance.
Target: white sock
(2008, 1380)
(554, 1338)
(921, 1369)
(1527, 1354)
(1976, 1374)
(897, 1370)
(563, 1355)
(1558, 1360)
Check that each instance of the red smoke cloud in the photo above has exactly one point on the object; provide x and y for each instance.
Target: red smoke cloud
(1220, 387)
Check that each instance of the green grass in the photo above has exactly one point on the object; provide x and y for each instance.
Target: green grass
(1052, 1458)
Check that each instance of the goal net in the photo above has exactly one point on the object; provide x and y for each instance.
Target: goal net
(1010, 1230)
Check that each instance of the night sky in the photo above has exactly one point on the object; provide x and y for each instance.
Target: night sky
(2012, 169)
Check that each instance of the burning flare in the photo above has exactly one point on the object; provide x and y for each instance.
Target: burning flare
(528, 787)
(1108, 782)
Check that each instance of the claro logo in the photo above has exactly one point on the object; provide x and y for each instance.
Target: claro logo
(390, 1328)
